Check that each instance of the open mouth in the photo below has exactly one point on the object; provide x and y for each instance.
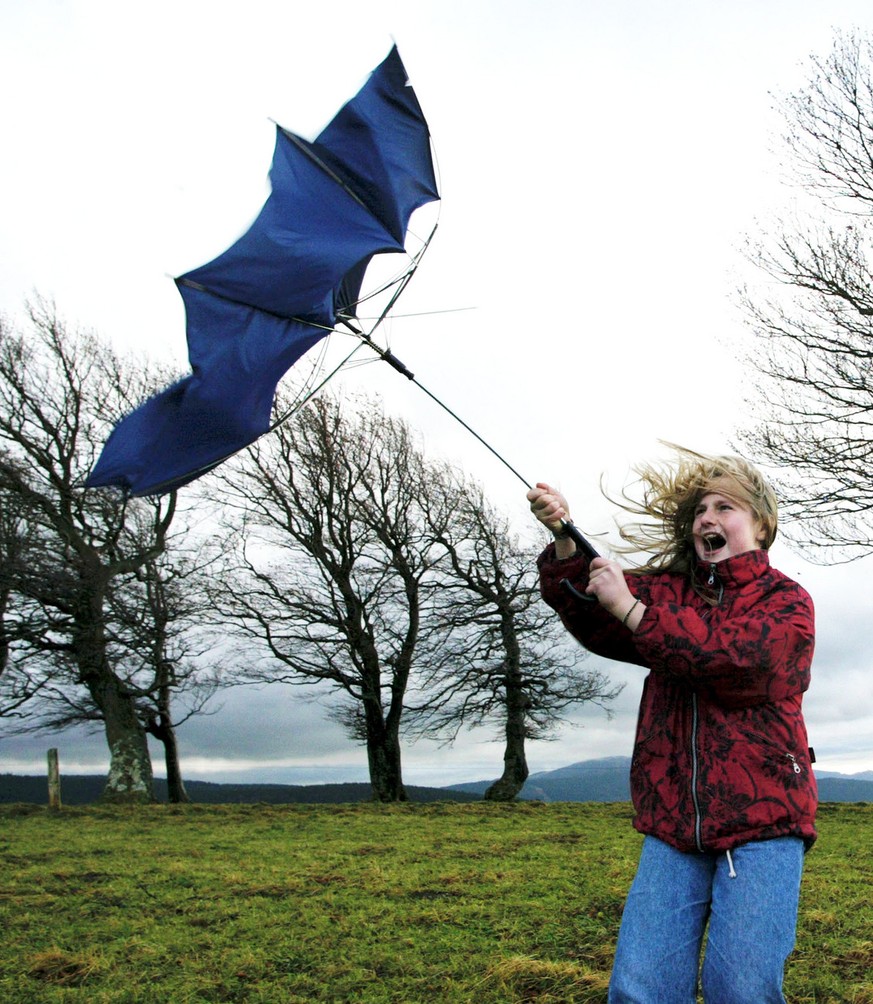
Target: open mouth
(713, 542)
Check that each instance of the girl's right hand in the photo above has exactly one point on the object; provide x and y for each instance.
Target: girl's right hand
(549, 506)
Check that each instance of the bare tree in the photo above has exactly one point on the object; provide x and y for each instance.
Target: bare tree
(157, 649)
(59, 393)
(161, 651)
(811, 396)
(21, 620)
(513, 663)
(342, 569)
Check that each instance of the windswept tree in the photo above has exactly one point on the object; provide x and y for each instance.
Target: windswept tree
(515, 666)
(811, 393)
(21, 621)
(157, 649)
(178, 673)
(342, 571)
(59, 393)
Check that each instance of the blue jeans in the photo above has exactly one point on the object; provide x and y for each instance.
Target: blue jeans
(752, 922)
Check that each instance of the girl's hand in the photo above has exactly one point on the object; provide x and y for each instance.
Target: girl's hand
(549, 506)
(551, 509)
(606, 581)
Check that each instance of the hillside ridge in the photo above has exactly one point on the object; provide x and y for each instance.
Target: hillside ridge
(608, 780)
(601, 780)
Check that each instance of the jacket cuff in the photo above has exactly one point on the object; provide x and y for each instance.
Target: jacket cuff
(553, 569)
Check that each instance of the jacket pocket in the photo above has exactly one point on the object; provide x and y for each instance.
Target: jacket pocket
(776, 759)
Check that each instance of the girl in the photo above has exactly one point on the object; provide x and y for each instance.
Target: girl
(721, 777)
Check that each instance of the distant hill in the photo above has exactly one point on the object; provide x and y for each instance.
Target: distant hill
(604, 780)
(846, 788)
(607, 780)
(864, 775)
(80, 789)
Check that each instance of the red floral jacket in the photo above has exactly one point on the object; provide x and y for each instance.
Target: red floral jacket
(721, 754)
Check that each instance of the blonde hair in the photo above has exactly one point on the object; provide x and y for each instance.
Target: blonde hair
(670, 495)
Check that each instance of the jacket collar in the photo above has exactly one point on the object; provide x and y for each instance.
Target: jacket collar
(732, 573)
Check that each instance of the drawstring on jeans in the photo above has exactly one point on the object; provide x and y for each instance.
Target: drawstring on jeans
(732, 871)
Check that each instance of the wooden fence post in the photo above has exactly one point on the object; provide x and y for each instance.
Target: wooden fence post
(54, 780)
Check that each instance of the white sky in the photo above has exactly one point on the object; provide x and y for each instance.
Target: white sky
(600, 162)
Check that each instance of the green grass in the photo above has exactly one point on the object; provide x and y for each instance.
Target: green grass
(442, 903)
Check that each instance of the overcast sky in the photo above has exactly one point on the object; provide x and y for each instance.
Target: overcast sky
(600, 163)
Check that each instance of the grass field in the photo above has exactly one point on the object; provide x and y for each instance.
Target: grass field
(441, 903)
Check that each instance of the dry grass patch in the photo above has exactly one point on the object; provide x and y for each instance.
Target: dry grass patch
(523, 979)
(63, 969)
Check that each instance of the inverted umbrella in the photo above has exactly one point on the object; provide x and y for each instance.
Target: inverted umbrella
(296, 274)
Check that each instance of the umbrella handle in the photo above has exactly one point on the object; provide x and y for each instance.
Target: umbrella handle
(574, 592)
(588, 550)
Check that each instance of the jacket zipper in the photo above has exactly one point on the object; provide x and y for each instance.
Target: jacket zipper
(698, 821)
(695, 726)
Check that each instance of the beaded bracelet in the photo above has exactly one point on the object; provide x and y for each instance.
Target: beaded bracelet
(633, 607)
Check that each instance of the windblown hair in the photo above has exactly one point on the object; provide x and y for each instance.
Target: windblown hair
(670, 495)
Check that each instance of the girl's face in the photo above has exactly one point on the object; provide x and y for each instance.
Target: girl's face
(724, 527)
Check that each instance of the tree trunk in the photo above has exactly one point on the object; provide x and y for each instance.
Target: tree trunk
(515, 770)
(176, 792)
(161, 727)
(130, 766)
(130, 769)
(383, 758)
(385, 774)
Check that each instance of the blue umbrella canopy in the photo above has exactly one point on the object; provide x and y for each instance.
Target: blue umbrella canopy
(253, 311)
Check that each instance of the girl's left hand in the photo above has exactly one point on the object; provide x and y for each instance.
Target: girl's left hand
(607, 583)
